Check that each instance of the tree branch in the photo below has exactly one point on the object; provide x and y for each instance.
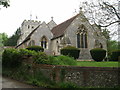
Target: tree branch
(111, 6)
(109, 24)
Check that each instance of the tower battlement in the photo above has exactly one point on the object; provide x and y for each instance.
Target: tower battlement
(31, 22)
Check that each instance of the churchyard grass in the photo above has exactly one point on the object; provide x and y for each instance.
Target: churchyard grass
(97, 64)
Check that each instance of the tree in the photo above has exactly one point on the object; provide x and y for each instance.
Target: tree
(5, 3)
(3, 38)
(12, 41)
(103, 13)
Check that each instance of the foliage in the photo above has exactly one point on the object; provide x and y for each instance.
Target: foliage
(115, 55)
(12, 41)
(41, 58)
(35, 48)
(61, 60)
(98, 54)
(3, 38)
(11, 58)
(70, 51)
(25, 52)
(5, 3)
(111, 46)
(106, 33)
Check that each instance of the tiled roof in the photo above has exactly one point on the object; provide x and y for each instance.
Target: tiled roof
(60, 29)
(57, 30)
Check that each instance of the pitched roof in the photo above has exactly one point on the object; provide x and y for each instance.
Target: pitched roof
(28, 37)
(60, 29)
(57, 30)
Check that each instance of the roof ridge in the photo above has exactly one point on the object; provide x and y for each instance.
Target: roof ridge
(60, 28)
(28, 37)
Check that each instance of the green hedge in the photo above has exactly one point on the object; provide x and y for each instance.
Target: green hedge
(41, 58)
(70, 51)
(98, 54)
(61, 60)
(115, 55)
(35, 48)
(11, 58)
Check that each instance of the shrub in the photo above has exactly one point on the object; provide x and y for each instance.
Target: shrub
(11, 58)
(41, 58)
(61, 60)
(35, 48)
(25, 52)
(115, 55)
(70, 51)
(98, 54)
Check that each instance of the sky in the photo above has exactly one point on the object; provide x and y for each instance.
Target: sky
(12, 17)
(19, 10)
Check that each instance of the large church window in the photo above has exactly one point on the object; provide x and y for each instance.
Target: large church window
(82, 37)
(78, 40)
(85, 36)
(44, 42)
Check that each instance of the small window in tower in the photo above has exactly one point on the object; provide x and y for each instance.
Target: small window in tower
(28, 26)
(32, 27)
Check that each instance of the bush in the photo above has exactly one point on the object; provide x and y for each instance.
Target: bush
(70, 51)
(115, 55)
(11, 58)
(98, 54)
(41, 58)
(25, 52)
(61, 60)
(35, 48)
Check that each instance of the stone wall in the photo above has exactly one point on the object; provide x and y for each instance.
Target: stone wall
(82, 76)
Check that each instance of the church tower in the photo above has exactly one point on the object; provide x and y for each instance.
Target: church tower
(26, 28)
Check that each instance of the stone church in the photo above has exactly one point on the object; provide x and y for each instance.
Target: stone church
(76, 31)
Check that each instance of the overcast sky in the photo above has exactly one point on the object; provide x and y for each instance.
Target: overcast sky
(19, 10)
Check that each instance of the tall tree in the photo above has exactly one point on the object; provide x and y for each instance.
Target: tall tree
(12, 41)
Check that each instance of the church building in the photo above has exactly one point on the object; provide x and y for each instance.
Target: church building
(76, 31)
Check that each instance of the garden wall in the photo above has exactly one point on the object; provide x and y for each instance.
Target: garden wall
(82, 76)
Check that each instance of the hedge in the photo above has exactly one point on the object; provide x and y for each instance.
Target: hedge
(70, 51)
(98, 54)
(11, 58)
(35, 48)
(115, 55)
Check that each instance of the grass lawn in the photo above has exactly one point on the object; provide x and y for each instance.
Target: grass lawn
(97, 64)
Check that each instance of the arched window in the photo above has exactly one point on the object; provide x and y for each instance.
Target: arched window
(44, 42)
(82, 37)
(31, 43)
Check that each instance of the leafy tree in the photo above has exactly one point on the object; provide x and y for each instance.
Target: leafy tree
(5, 3)
(112, 45)
(12, 41)
(3, 38)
